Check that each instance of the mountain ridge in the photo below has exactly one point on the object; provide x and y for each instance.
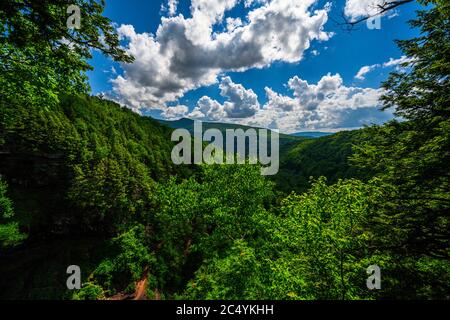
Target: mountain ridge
(186, 123)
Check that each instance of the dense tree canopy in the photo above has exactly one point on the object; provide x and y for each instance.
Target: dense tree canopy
(41, 56)
(9, 231)
(326, 156)
(413, 155)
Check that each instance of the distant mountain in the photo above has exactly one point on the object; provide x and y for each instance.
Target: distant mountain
(189, 125)
(312, 134)
(302, 155)
(178, 124)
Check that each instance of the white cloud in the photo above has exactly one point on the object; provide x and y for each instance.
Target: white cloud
(233, 23)
(361, 75)
(397, 62)
(329, 104)
(175, 112)
(326, 105)
(249, 3)
(171, 7)
(394, 14)
(208, 109)
(186, 53)
(279, 102)
(241, 103)
(355, 9)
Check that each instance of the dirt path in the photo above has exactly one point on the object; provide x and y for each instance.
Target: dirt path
(141, 290)
(140, 293)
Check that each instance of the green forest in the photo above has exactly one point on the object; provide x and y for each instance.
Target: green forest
(86, 181)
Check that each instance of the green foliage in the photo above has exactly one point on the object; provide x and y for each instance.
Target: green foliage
(89, 291)
(201, 217)
(235, 276)
(316, 248)
(41, 57)
(326, 156)
(10, 235)
(9, 231)
(6, 206)
(130, 260)
(94, 161)
(412, 159)
(422, 93)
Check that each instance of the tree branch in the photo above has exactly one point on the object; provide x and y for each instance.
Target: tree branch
(382, 8)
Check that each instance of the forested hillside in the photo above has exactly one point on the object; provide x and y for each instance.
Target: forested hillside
(285, 139)
(92, 161)
(303, 156)
(312, 158)
(82, 169)
(90, 169)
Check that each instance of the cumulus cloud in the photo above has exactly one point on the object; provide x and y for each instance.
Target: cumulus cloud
(241, 103)
(208, 109)
(329, 104)
(188, 53)
(175, 112)
(279, 102)
(326, 105)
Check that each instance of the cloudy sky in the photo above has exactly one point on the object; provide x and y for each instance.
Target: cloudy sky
(281, 64)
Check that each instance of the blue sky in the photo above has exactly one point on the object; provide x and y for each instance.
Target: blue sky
(227, 91)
